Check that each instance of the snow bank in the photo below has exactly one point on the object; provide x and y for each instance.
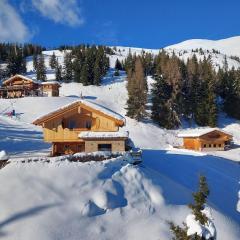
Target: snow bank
(3, 156)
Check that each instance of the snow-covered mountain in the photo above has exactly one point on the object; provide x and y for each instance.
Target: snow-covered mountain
(228, 46)
(184, 50)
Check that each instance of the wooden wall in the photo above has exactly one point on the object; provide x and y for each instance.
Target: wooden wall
(204, 145)
(51, 90)
(191, 143)
(57, 129)
(59, 148)
(117, 145)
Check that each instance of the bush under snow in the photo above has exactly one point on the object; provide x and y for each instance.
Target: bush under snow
(208, 231)
(3, 156)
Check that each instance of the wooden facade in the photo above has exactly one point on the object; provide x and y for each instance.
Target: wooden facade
(50, 89)
(63, 127)
(19, 86)
(212, 140)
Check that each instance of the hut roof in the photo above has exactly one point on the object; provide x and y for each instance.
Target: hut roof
(19, 76)
(97, 108)
(198, 132)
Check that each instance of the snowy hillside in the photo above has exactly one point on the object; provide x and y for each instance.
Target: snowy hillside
(228, 46)
(57, 199)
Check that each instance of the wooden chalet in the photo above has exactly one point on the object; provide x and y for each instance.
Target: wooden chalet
(206, 139)
(19, 86)
(83, 126)
(50, 88)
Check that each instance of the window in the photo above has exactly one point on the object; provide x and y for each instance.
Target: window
(105, 147)
(72, 124)
(214, 145)
(204, 145)
(220, 145)
(88, 124)
(209, 145)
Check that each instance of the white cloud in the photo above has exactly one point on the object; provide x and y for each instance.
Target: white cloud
(12, 28)
(60, 11)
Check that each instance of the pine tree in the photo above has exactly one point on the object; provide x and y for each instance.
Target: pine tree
(190, 88)
(161, 93)
(137, 92)
(168, 76)
(200, 199)
(53, 61)
(41, 69)
(97, 72)
(129, 62)
(118, 65)
(58, 72)
(231, 97)
(206, 109)
(85, 75)
(77, 65)
(68, 68)
(16, 63)
(35, 61)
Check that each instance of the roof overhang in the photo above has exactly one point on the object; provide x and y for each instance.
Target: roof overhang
(17, 76)
(197, 133)
(75, 105)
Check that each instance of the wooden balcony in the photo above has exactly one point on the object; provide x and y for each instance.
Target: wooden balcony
(63, 135)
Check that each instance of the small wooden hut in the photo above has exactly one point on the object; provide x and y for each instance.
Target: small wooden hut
(206, 139)
(19, 86)
(50, 88)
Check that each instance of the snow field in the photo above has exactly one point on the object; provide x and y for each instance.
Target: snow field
(109, 199)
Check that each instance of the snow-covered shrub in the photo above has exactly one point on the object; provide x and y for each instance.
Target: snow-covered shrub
(3, 156)
(199, 224)
(205, 231)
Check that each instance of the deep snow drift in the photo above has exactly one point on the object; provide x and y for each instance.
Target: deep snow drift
(110, 199)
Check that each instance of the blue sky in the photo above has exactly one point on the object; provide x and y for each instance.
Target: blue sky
(146, 23)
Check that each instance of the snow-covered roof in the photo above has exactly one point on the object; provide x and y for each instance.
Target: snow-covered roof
(89, 134)
(20, 76)
(197, 132)
(94, 106)
(50, 82)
